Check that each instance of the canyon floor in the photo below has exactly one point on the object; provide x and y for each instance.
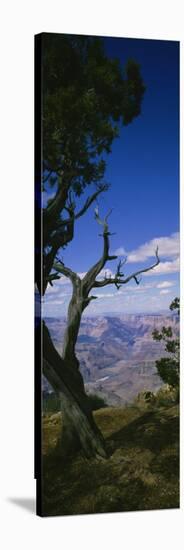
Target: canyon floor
(117, 354)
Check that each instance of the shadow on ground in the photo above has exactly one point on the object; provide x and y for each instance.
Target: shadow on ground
(27, 504)
(152, 431)
(141, 473)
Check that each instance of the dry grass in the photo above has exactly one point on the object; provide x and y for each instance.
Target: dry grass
(140, 474)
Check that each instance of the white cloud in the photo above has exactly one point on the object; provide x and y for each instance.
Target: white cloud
(168, 248)
(53, 289)
(120, 251)
(106, 272)
(54, 302)
(82, 275)
(132, 288)
(164, 267)
(112, 295)
(135, 297)
(165, 284)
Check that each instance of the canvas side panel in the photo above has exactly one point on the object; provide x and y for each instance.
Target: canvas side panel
(38, 231)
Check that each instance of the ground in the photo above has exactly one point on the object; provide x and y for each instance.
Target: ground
(141, 473)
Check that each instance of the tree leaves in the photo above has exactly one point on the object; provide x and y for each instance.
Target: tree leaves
(85, 97)
(168, 367)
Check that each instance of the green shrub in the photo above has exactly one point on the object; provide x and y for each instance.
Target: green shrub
(167, 395)
(145, 399)
(168, 367)
(96, 401)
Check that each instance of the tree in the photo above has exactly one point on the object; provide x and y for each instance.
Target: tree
(78, 417)
(168, 367)
(86, 96)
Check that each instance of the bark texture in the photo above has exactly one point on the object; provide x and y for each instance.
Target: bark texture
(79, 429)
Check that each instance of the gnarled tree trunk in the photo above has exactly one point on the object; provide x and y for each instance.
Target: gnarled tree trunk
(79, 430)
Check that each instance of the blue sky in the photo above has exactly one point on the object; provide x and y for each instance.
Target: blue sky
(143, 171)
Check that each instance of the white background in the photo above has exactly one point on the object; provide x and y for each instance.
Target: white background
(20, 528)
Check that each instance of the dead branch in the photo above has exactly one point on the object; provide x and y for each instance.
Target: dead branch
(118, 280)
(70, 207)
(89, 280)
(90, 200)
(67, 272)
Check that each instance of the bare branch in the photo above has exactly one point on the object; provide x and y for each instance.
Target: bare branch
(63, 229)
(118, 280)
(89, 279)
(67, 272)
(52, 277)
(134, 275)
(70, 208)
(110, 258)
(86, 301)
(60, 237)
(71, 205)
(91, 199)
(101, 221)
(119, 273)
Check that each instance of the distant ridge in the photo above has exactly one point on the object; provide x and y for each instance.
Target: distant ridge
(117, 353)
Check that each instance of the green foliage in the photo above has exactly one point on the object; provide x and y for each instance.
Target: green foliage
(168, 370)
(145, 399)
(175, 304)
(85, 97)
(96, 401)
(168, 367)
(166, 396)
(148, 395)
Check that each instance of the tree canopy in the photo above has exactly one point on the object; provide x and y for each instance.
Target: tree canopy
(168, 367)
(86, 97)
